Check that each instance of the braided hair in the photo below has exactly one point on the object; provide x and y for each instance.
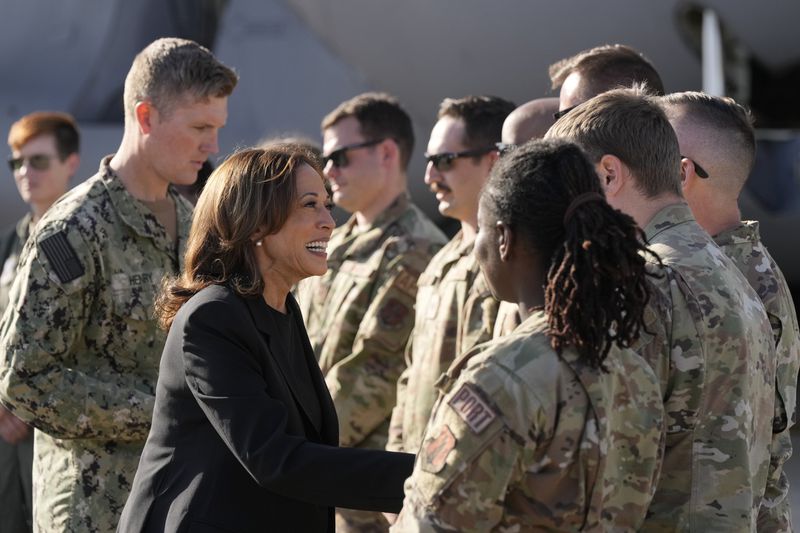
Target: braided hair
(596, 288)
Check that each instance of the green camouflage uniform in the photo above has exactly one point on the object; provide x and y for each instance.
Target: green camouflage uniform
(522, 439)
(455, 311)
(743, 245)
(359, 316)
(80, 348)
(715, 357)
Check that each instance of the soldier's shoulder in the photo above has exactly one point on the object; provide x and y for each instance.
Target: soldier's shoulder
(417, 226)
(79, 211)
(414, 249)
(519, 369)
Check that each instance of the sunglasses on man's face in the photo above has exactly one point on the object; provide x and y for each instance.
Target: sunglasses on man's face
(35, 161)
(339, 156)
(444, 161)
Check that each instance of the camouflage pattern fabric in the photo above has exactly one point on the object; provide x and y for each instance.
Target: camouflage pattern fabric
(715, 357)
(16, 460)
(80, 348)
(522, 439)
(743, 245)
(455, 311)
(507, 320)
(359, 316)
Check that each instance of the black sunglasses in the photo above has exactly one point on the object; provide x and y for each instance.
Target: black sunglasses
(36, 162)
(444, 161)
(700, 171)
(339, 156)
(558, 114)
(504, 148)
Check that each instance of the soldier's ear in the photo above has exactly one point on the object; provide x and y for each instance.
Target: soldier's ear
(144, 114)
(613, 174)
(505, 241)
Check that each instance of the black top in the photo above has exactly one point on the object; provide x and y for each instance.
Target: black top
(289, 348)
(235, 445)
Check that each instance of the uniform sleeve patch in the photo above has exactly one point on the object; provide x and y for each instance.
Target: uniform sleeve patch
(393, 313)
(468, 404)
(436, 449)
(62, 257)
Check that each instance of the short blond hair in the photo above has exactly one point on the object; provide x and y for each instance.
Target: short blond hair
(169, 69)
(630, 124)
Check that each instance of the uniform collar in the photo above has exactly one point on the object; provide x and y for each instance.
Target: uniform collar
(669, 217)
(139, 218)
(350, 242)
(745, 232)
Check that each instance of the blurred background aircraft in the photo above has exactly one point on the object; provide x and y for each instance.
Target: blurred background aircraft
(299, 58)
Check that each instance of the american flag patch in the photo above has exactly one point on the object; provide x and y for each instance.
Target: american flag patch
(62, 257)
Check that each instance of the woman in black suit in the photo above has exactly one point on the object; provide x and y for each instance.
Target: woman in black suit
(244, 435)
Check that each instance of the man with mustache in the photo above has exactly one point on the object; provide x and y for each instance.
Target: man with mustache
(455, 309)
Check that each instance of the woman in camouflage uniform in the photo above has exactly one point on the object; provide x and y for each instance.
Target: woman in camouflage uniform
(558, 426)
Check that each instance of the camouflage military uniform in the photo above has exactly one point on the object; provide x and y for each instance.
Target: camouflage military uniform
(80, 348)
(455, 311)
(15, 459)
(359, 316)
(522, 439)
(507, 320)
(716, 361)
(743, 245)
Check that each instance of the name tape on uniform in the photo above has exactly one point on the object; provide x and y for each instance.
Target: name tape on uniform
(472, 409)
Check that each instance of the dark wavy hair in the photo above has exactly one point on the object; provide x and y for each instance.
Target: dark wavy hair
(596, 287)
(253, 190)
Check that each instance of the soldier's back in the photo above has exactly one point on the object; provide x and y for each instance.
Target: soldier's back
(718, 397)
(743, 245)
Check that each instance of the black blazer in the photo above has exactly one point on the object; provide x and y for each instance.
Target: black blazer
(231, 447)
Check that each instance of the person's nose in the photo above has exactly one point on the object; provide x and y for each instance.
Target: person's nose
(330, 170)
(432, 175)
(326, 221)
(211, 143)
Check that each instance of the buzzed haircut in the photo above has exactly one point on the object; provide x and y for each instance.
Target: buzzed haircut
(608, 67)
(729, 120)
(60, 125)
(631, 125)
(483, 118)
(169, 69)
(380, 116)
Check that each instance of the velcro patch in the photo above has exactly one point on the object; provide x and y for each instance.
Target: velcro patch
(436, 449)
(407, 283)
(393, 313)
(472, 409)
(62, 257)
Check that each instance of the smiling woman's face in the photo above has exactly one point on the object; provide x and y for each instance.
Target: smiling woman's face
(298, 249)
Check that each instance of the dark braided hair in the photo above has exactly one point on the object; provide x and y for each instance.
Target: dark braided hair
(596, 288)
